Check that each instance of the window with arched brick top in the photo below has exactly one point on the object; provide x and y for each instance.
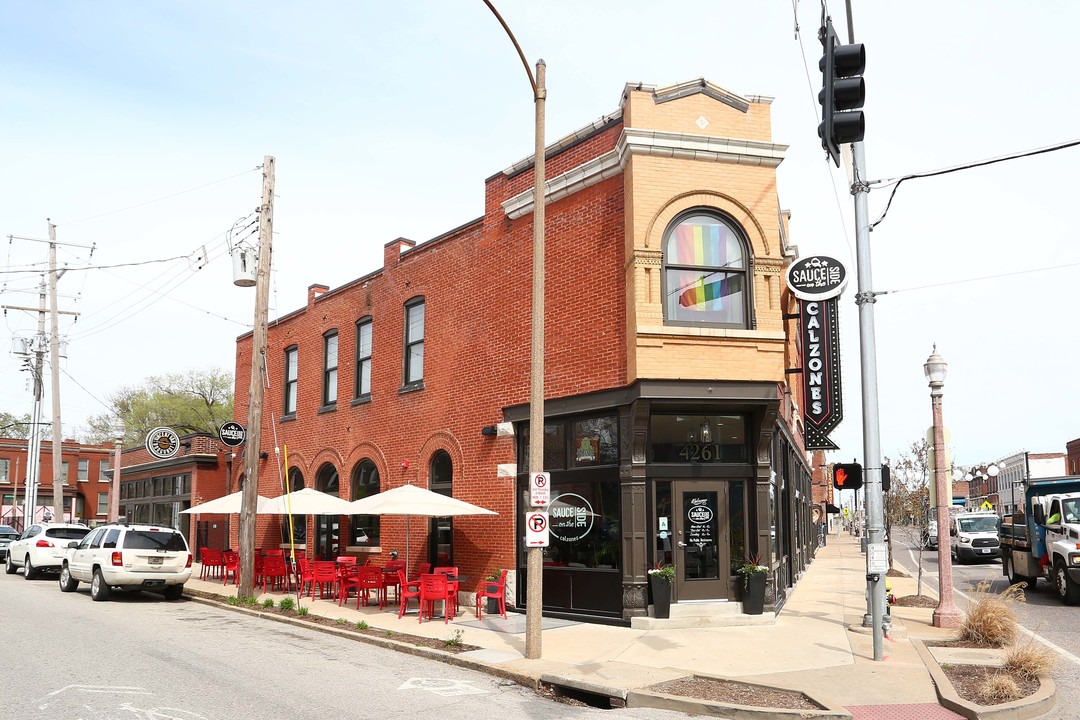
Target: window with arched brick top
(706, 271)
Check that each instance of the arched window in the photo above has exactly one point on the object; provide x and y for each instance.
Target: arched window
(327, 527)
(705, 272)
(299, 522)
(441, 538)
(364, 529)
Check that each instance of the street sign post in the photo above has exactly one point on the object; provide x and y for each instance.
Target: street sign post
(536, 529)
(539, 489)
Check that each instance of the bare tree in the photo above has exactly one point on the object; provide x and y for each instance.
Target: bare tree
(908, 502)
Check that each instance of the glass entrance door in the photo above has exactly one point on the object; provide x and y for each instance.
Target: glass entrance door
(703, 562)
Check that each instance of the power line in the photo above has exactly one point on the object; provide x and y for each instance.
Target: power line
(958, 168)
(166, 197)
(981, 278)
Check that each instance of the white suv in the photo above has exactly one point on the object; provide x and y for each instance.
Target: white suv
(41, 547)
(130, 557)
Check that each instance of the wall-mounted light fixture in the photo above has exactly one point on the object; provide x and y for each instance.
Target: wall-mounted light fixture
(489, 430)
(264, 456)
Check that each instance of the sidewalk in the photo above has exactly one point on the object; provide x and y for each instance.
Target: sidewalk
(817, 645)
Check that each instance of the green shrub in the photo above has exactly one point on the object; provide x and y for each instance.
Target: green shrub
(287, 604)
(342, 621)
(268, 603)
(302, 611)
(361, 625)
(232, 600)
(250, 601)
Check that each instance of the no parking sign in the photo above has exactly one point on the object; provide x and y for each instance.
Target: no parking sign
(536, 529)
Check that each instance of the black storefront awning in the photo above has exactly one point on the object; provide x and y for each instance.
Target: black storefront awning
(831, 509)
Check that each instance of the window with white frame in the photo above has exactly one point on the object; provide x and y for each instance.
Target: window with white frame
(5, 471)
(64, 472)
(103, 471)
(706, 278)
(414, 341)
(102, 503)
(330, 365)
(290, 380)
(363, 358)
(83, 471)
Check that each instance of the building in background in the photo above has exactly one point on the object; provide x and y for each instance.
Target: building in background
(672, 434)
(86, 475)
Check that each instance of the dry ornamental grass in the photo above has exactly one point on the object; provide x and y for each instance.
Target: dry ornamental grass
(990, 620)
(1030, 660)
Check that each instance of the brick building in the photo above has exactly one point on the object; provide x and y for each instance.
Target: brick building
(84, 469)
(670, 432)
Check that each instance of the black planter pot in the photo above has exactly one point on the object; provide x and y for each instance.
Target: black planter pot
(753, 602)
(661, 593)
(492, 606)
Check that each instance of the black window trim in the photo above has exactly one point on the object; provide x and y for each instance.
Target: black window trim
(326, 401)
(290, 386)
(406, 385)
(359, 397)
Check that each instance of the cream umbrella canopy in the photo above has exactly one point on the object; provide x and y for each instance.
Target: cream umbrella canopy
(230, 504)
(307, 501)
(410, 500)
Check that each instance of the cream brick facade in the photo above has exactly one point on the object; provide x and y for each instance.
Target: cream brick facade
(705, 147)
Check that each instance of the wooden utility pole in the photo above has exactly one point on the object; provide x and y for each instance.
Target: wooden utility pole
(54, 364)
(114, 486)
(258, 369)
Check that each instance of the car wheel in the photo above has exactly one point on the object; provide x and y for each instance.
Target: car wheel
(29, 573)
(9, 566)
(99, 589)
(174, 592)
(1015, 577)
(1067, 589)
(67, 583)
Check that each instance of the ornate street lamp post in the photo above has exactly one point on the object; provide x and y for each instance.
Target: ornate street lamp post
(945, 614)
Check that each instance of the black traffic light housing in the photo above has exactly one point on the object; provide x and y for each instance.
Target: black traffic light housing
(886, 479)
(847, 476)
(843, 91)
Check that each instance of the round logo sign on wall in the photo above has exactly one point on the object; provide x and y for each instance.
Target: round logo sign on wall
(162, 442)
(232, 434)
(700, 514)
(817, 277)
(570, 517)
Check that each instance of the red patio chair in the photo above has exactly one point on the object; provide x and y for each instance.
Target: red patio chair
(212, 562)
(274, 573)
(435, 588)
(347, 560)
(425, 568)
(324, 574)
(275, 553)
(406, 591)
(390, 579)
(492, 589)
(369, 578)
(232, 565)
(304, 573)
(348, 580)
(451, 580)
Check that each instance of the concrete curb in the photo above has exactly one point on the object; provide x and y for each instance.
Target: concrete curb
(1034, 705)
(523, 679)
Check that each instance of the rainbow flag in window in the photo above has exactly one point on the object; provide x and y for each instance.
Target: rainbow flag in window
(699, 245)
(710, 295)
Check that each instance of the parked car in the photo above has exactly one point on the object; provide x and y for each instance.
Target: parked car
(129, 557)
(7, 535)
(41, 547)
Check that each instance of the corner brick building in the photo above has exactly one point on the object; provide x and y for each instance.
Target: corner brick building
(671, 432)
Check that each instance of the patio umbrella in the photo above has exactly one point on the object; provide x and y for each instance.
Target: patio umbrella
(411, 500)
(230, 504)
(307, 501)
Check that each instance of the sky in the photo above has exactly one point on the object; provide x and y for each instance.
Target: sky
(138, 129)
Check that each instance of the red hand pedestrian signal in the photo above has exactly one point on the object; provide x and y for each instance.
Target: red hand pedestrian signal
(847, 476)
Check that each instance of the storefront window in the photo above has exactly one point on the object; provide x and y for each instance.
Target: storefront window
(364, 529)
(688, 438)
(554, 446)
(594, 441)
(584, 526)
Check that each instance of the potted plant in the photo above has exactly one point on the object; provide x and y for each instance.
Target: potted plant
(493, 602)
(660, 579)
(754, 576)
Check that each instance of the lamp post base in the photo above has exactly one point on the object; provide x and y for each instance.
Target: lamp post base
(947, 618)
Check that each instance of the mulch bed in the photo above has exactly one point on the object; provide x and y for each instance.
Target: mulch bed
(450, 645)
(969, 680)
(922, 601)
(736, 693)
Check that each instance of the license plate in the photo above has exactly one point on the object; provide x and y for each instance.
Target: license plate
(155, 561)
(986, 551)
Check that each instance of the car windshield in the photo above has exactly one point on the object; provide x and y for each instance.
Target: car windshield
(154, 540)
(979, 524)
(67, 533)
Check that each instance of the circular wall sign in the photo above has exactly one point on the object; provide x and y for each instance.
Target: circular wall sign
(570, 517)
(699, 515)
(162, 442)
(232, 434)
(817, 277)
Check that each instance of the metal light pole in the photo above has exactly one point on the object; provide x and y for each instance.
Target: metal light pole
(945, 614)
(535, 560)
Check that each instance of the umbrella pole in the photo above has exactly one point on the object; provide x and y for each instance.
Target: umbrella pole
(407, 565)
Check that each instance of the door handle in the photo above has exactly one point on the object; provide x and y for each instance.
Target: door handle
(682, 544)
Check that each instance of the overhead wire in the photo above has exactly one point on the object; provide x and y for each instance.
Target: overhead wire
(962, 281)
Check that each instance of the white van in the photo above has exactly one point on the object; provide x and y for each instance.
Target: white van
(974, 536)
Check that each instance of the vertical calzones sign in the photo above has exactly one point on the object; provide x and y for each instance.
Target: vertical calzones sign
(818, 281)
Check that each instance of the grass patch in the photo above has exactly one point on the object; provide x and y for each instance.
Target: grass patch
(362, 625)
(341, 621)
(301, 611)
(1000, 688)
(251, 601)
(455, 639)
(1030, 660)
(232, 600)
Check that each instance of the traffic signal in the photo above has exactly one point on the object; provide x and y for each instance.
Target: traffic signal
(841, 69)
(886, 478)
(847, 476)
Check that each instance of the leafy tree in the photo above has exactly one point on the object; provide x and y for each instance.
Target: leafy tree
(187, 402)
(14, 426)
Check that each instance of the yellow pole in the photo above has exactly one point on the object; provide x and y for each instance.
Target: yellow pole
(288, 506)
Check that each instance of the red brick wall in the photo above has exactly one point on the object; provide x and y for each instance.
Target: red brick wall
(477, 287)
(14, 450)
